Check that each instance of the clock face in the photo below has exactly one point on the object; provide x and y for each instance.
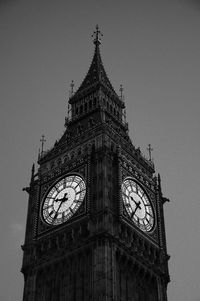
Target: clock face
(137, 205)
(63, 200)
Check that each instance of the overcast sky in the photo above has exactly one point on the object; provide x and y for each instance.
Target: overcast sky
(152, 48)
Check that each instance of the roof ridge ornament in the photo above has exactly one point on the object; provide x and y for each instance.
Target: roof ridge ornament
(97, 36)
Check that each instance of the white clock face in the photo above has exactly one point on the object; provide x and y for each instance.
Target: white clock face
(137, 205)
(63, 200)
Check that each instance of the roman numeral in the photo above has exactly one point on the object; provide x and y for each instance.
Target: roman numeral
(149, 214)
(144, 226)
(64, 183)
(147, 221)
(50, 213)
(77, 201)
(125, 195)
(77, 184)
(50, 198)
(71, 210)
(132, 214)
(47, 207)
(80, 191)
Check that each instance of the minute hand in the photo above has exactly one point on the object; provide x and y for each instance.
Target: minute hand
(137, 205)
(61, 201)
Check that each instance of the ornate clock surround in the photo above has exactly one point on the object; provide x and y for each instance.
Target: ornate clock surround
(138, 205)
(42, 228)
(129, 170)
(63, 199)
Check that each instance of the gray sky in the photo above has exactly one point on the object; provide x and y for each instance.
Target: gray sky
(152, 48)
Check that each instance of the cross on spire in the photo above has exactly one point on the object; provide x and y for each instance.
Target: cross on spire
(150, 149)
(42, 140)
(97, 36)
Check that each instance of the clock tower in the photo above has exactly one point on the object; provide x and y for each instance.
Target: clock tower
(95, 224)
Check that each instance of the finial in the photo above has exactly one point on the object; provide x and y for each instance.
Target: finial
(42, 140)
(72, 88)
(121, 90)
(150, 149)
(97, 36)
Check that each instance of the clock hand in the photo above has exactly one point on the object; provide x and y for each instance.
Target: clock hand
(56, 214)
(137, 206)
(61, 201)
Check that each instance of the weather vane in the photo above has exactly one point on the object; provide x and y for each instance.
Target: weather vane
(97, 36)
(150, 149)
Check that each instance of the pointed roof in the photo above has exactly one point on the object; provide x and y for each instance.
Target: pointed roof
(96, 73)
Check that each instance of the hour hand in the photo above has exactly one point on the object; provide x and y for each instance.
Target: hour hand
(57, 200)
(63, 199)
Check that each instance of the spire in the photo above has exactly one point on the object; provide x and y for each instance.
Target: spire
(96, 73)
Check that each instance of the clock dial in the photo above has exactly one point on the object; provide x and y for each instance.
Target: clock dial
(63, 200)
(137, 205)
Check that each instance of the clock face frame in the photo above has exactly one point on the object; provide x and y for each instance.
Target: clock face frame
(138, 205)
(63, 199)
